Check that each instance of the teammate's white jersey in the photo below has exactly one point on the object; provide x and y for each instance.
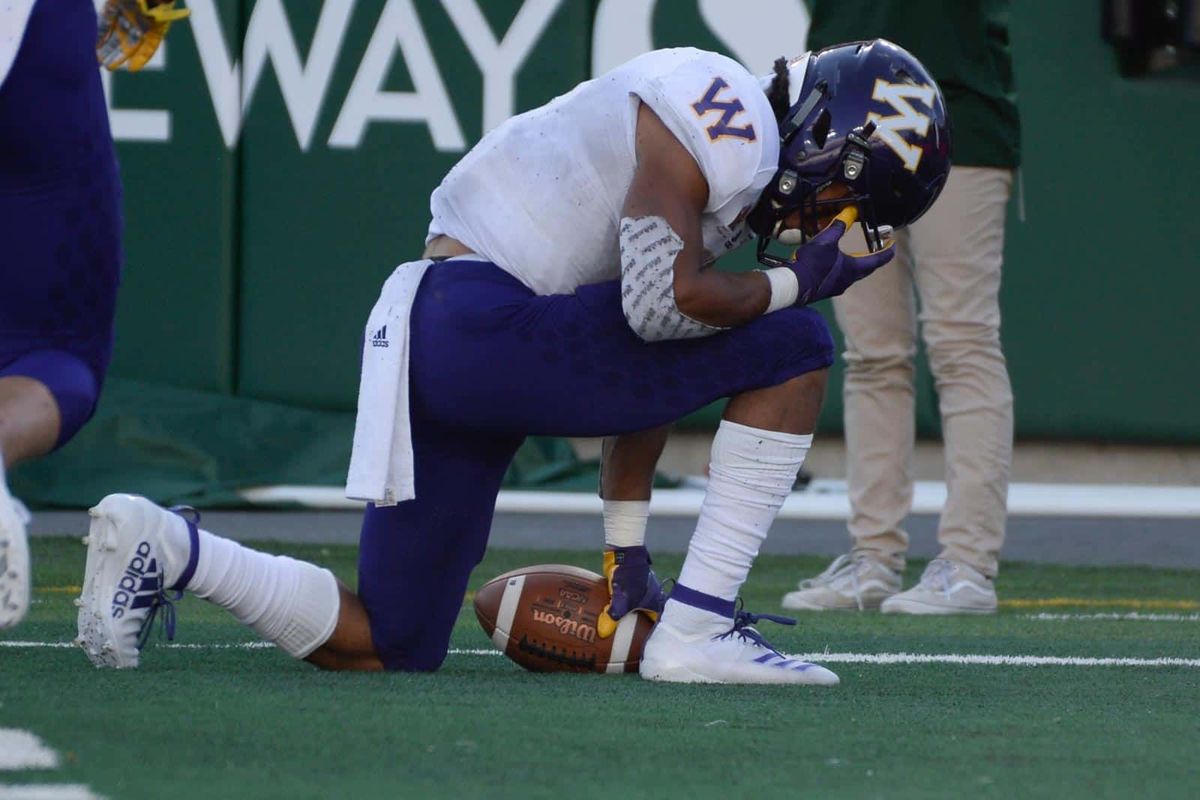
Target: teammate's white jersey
(14, 16)
(541, 195)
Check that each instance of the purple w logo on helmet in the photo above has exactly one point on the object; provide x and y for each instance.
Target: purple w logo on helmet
(728, 108)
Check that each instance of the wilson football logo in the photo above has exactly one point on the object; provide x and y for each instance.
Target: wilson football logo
(566, 626)
(906, 118)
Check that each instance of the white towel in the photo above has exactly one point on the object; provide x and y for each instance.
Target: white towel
(381, 463)
(14, 15)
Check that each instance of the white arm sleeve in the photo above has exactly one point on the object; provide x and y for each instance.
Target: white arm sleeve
(648, 250)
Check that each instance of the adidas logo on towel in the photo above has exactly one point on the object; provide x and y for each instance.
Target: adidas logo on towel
(380, 338)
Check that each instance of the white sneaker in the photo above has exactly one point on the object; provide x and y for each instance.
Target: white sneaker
(852, 582)
(123, 581)
(946, 587)
(14, 558)
(740, 655)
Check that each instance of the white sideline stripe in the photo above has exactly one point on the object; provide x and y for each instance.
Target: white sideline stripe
(843, 658)
(45, 791)
(219, 646)
(954, 658)
(824, 499)
(1133, 616)
(989, 660)
(23, 750)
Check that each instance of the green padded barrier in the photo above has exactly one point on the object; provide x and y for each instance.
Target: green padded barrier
(175, 320)
(1099, 288)
(323, 226)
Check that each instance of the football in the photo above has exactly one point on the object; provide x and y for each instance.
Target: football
(544, 618)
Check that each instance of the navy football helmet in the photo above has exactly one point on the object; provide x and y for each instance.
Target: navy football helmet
(868, 116)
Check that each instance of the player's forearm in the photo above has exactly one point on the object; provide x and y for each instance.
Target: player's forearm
(722, 299)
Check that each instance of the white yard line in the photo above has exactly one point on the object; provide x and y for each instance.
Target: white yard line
(824, 499)
(46, 791)
(844, 658)
(23, 750)
(994, 660)
(219, 646)
(955, 658)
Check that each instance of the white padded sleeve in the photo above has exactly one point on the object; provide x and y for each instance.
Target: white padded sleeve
(649, 247)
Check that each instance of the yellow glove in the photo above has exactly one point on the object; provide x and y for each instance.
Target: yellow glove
(131, 30)
(632, 586)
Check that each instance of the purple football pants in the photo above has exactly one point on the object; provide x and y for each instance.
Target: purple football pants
(492, 363)
(60, 213)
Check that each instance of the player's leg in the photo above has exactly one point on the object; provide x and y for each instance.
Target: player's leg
(628, 462)
(756, 454)
(45, 397)
(572, 366)
(957, 252)
(29, 418)
(416, 557)
(627, 468)
(28, 426)
(757, 451)
(878, 319)
(60, 238)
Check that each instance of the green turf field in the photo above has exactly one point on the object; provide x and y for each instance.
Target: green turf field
(215, 721)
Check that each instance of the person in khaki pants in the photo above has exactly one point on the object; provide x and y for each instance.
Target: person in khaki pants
(946, 276)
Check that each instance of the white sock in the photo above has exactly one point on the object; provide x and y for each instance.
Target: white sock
(694, 621)
(291, 603)
(751, 472)
(625, 522)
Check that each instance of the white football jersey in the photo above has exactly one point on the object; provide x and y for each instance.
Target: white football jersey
(541, 195)
(14, 16)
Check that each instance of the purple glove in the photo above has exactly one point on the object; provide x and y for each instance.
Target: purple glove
(632, 586)
(825, 271)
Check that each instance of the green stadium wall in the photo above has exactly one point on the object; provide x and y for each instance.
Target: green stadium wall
(278, 159)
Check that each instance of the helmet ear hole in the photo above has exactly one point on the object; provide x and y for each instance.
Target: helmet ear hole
(820, 129)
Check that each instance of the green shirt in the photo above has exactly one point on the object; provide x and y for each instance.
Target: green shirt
(963, 44)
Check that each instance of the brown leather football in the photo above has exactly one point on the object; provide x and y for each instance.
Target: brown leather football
(544, 618)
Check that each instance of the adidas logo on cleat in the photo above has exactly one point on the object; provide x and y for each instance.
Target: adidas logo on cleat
(140, 580)
(380, 338)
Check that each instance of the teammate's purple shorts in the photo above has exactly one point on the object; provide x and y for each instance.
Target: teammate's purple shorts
(491, 363)
(60, 213)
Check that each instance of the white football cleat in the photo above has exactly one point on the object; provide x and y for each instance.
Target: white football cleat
(853, 582)
(123, 581)
(14, 558)
(740, 655)
(946, 587)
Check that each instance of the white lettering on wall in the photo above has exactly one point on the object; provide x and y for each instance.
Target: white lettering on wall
(269, 36)
(754, 33)
(500, 61)
(398, 28)
(138, 124)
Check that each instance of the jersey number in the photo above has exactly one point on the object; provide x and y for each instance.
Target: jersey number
(728, 108)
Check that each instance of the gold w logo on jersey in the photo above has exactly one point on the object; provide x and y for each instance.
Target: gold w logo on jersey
(906, 118)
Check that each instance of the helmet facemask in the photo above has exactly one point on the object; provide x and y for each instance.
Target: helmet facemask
(794, 190)
(866, 116)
